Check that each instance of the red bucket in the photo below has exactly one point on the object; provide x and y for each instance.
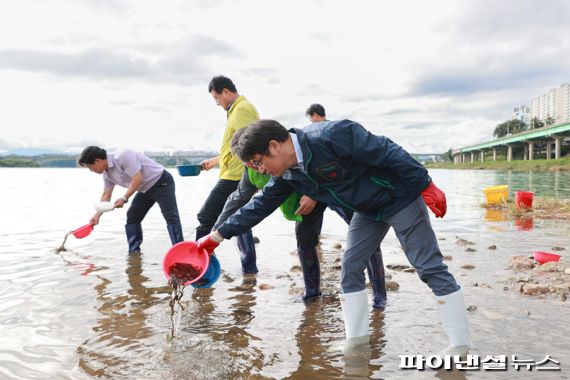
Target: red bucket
(83, 231)
(523, 199)
(186, 255)
(545, 257)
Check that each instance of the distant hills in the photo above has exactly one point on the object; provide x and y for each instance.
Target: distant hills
(27, 159)
(30, 152)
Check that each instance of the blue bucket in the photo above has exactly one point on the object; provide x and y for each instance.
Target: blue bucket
(189, 170)
(211, 276)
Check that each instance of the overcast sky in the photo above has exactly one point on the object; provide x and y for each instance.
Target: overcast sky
(430, 75)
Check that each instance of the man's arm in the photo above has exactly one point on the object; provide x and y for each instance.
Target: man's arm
(135, 184)
(105, 197)
(245, 191)
(210, 163)
(257, 209)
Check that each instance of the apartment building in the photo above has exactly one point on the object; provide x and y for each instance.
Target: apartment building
(555, 103)
(521, 113)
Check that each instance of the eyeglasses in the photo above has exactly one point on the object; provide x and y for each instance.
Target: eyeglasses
(256, 164)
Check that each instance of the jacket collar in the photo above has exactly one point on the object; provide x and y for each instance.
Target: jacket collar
(235, 103)
(302, 138)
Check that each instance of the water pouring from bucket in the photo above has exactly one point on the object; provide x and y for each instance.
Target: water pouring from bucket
(85, 230)
(186, 264)
(78, 233)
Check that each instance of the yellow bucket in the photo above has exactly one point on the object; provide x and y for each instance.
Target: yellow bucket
(496, 194)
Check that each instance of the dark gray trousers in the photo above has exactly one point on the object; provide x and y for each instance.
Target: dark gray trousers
(417, 238)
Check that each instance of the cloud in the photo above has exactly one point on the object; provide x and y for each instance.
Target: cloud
(487, 21)
(491, 46)
(491, 74)
(363, 97)
(290, 119)
(315, 90)
(181, 62)
(95, 63)
(322, 37)
(261, 72)
(417, 126)
(109, 5)
(158, 109)
(203, 4)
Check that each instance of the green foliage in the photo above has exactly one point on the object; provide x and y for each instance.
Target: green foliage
(70, 161)
(10, 161)
(510, 127)
(536, 123)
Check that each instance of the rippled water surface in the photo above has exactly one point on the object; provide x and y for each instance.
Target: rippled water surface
(95, 311)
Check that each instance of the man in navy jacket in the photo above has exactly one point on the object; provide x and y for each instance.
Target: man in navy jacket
(342, 164)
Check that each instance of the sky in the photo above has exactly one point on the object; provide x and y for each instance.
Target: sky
(430, 75)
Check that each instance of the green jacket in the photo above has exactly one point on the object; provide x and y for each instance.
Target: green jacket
(288, 207)
(250, 183)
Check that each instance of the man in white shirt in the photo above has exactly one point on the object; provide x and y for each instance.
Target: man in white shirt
(142, 177)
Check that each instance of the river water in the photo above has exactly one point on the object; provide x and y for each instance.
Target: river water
(95, 311)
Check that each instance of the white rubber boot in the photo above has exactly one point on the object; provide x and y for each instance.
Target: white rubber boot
(454, 319)
(356, 314)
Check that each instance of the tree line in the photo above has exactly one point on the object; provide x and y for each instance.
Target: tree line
(70, 161)
(510, 127)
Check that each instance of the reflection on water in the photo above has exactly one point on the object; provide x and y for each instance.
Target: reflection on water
(524, 224)
(496, 215)
(95, 311)
(123, 322)
(544, 184)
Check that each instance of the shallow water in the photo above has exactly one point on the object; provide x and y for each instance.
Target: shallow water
(95, 311)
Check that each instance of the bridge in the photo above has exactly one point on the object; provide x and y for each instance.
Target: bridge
(428, 157)
(533, 143)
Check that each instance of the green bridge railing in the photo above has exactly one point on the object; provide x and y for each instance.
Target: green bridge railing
(533, 134)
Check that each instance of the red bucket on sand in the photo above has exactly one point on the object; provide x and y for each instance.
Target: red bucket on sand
(545, 257)
(186, 252)
(523, 199)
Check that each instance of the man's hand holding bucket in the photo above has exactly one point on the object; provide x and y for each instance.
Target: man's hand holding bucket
(210, 242)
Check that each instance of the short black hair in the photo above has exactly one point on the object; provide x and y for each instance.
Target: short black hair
(220, 82)
(254, 139)
(90, 154)
(316, 109)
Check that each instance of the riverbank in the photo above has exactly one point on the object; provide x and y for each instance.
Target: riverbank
(528, 277)
(562, 164)
(70, 161)
(543, 208)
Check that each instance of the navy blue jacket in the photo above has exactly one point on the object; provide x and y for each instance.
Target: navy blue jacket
(344, 165)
